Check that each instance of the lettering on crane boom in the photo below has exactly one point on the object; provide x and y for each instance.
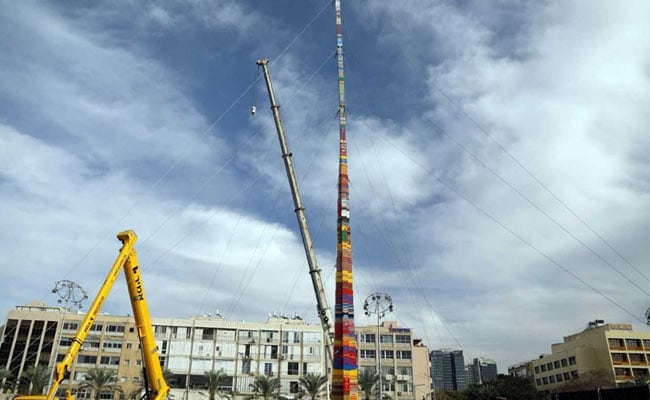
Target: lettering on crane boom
(139, 294)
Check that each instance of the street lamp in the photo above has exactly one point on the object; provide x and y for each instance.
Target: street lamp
(378, 304)
(70, 293)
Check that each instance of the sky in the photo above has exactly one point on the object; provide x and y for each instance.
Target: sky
(498, 160)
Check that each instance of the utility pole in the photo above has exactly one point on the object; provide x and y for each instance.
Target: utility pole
(378, 304)
(70, 294)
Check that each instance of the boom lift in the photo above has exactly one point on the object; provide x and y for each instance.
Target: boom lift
(156, 387)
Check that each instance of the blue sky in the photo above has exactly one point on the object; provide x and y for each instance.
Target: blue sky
(492, 149)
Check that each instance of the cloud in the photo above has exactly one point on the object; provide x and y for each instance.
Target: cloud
(567, 106)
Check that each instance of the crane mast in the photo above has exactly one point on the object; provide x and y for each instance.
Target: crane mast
(314, 271)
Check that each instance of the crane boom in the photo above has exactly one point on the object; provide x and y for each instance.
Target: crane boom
(127, 260)
(314, 271)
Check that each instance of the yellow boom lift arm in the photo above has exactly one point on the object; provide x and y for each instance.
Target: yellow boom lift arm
(156, 387)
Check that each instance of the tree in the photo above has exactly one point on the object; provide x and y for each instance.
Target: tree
(100, 380)
(214, 380)
(312, 384)
(368, 380)
(5, 375)
(266, 387)
(34, 379)
(506, 386)
(590, 381)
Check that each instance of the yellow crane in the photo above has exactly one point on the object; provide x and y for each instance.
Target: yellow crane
(156, 387)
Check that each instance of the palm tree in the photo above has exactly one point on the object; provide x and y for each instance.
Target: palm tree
(35, 377)
(312, 384)
(4, 374)
(100, 380)
(368, 379)
(214, 380)
(266, 387)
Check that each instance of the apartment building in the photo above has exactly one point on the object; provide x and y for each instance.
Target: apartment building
(283, 347)
(613, 349)
(522, 370)
(448, 369)
(401, 376)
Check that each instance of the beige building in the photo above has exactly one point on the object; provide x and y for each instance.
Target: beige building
(613, 348)
(283, 347)
(404, 361)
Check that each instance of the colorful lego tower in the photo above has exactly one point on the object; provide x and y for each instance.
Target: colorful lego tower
(344, 369)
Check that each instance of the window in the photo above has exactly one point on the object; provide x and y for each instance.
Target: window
(634, 344)
(131, 329)
(637, 358)
(84, 359)
(368, 337)
(403, 354)
(619, 358)
(558, 377)
(387, 338)
(564, 362)
(111, 344)
(129, 345)
(91, 344)
(566, 376)
(138, 363)
(294, 387)
(387, 354)
(616, 343)
(402, 339)
(73, 326)
(574, 373)
(537, 369)
(572, 360)
(96, 328)
(127, 362)
(551, 379)
(367, 354)
(292, 368)
(545, 380)
(556, 364)
(115, 328)
(246, 367)
(159, 330)
(105, 395)
(543, 367)
(549, 366)
(208, 333)
(65, 342)
(268, 369)
(538, 381)
(622, 372)
(106, 360)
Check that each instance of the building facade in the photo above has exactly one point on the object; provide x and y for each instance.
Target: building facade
(522, 370)
(448, 369)
(614, 350)
(282, 347)
(481, 370)
(400, 375)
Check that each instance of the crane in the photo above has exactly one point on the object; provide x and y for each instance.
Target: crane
(156, 387)
(321, 300)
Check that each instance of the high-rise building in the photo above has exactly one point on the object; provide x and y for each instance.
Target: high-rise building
(400, 374)
(282, 347)
(608, 353)
(448, 369)
(482, 370)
